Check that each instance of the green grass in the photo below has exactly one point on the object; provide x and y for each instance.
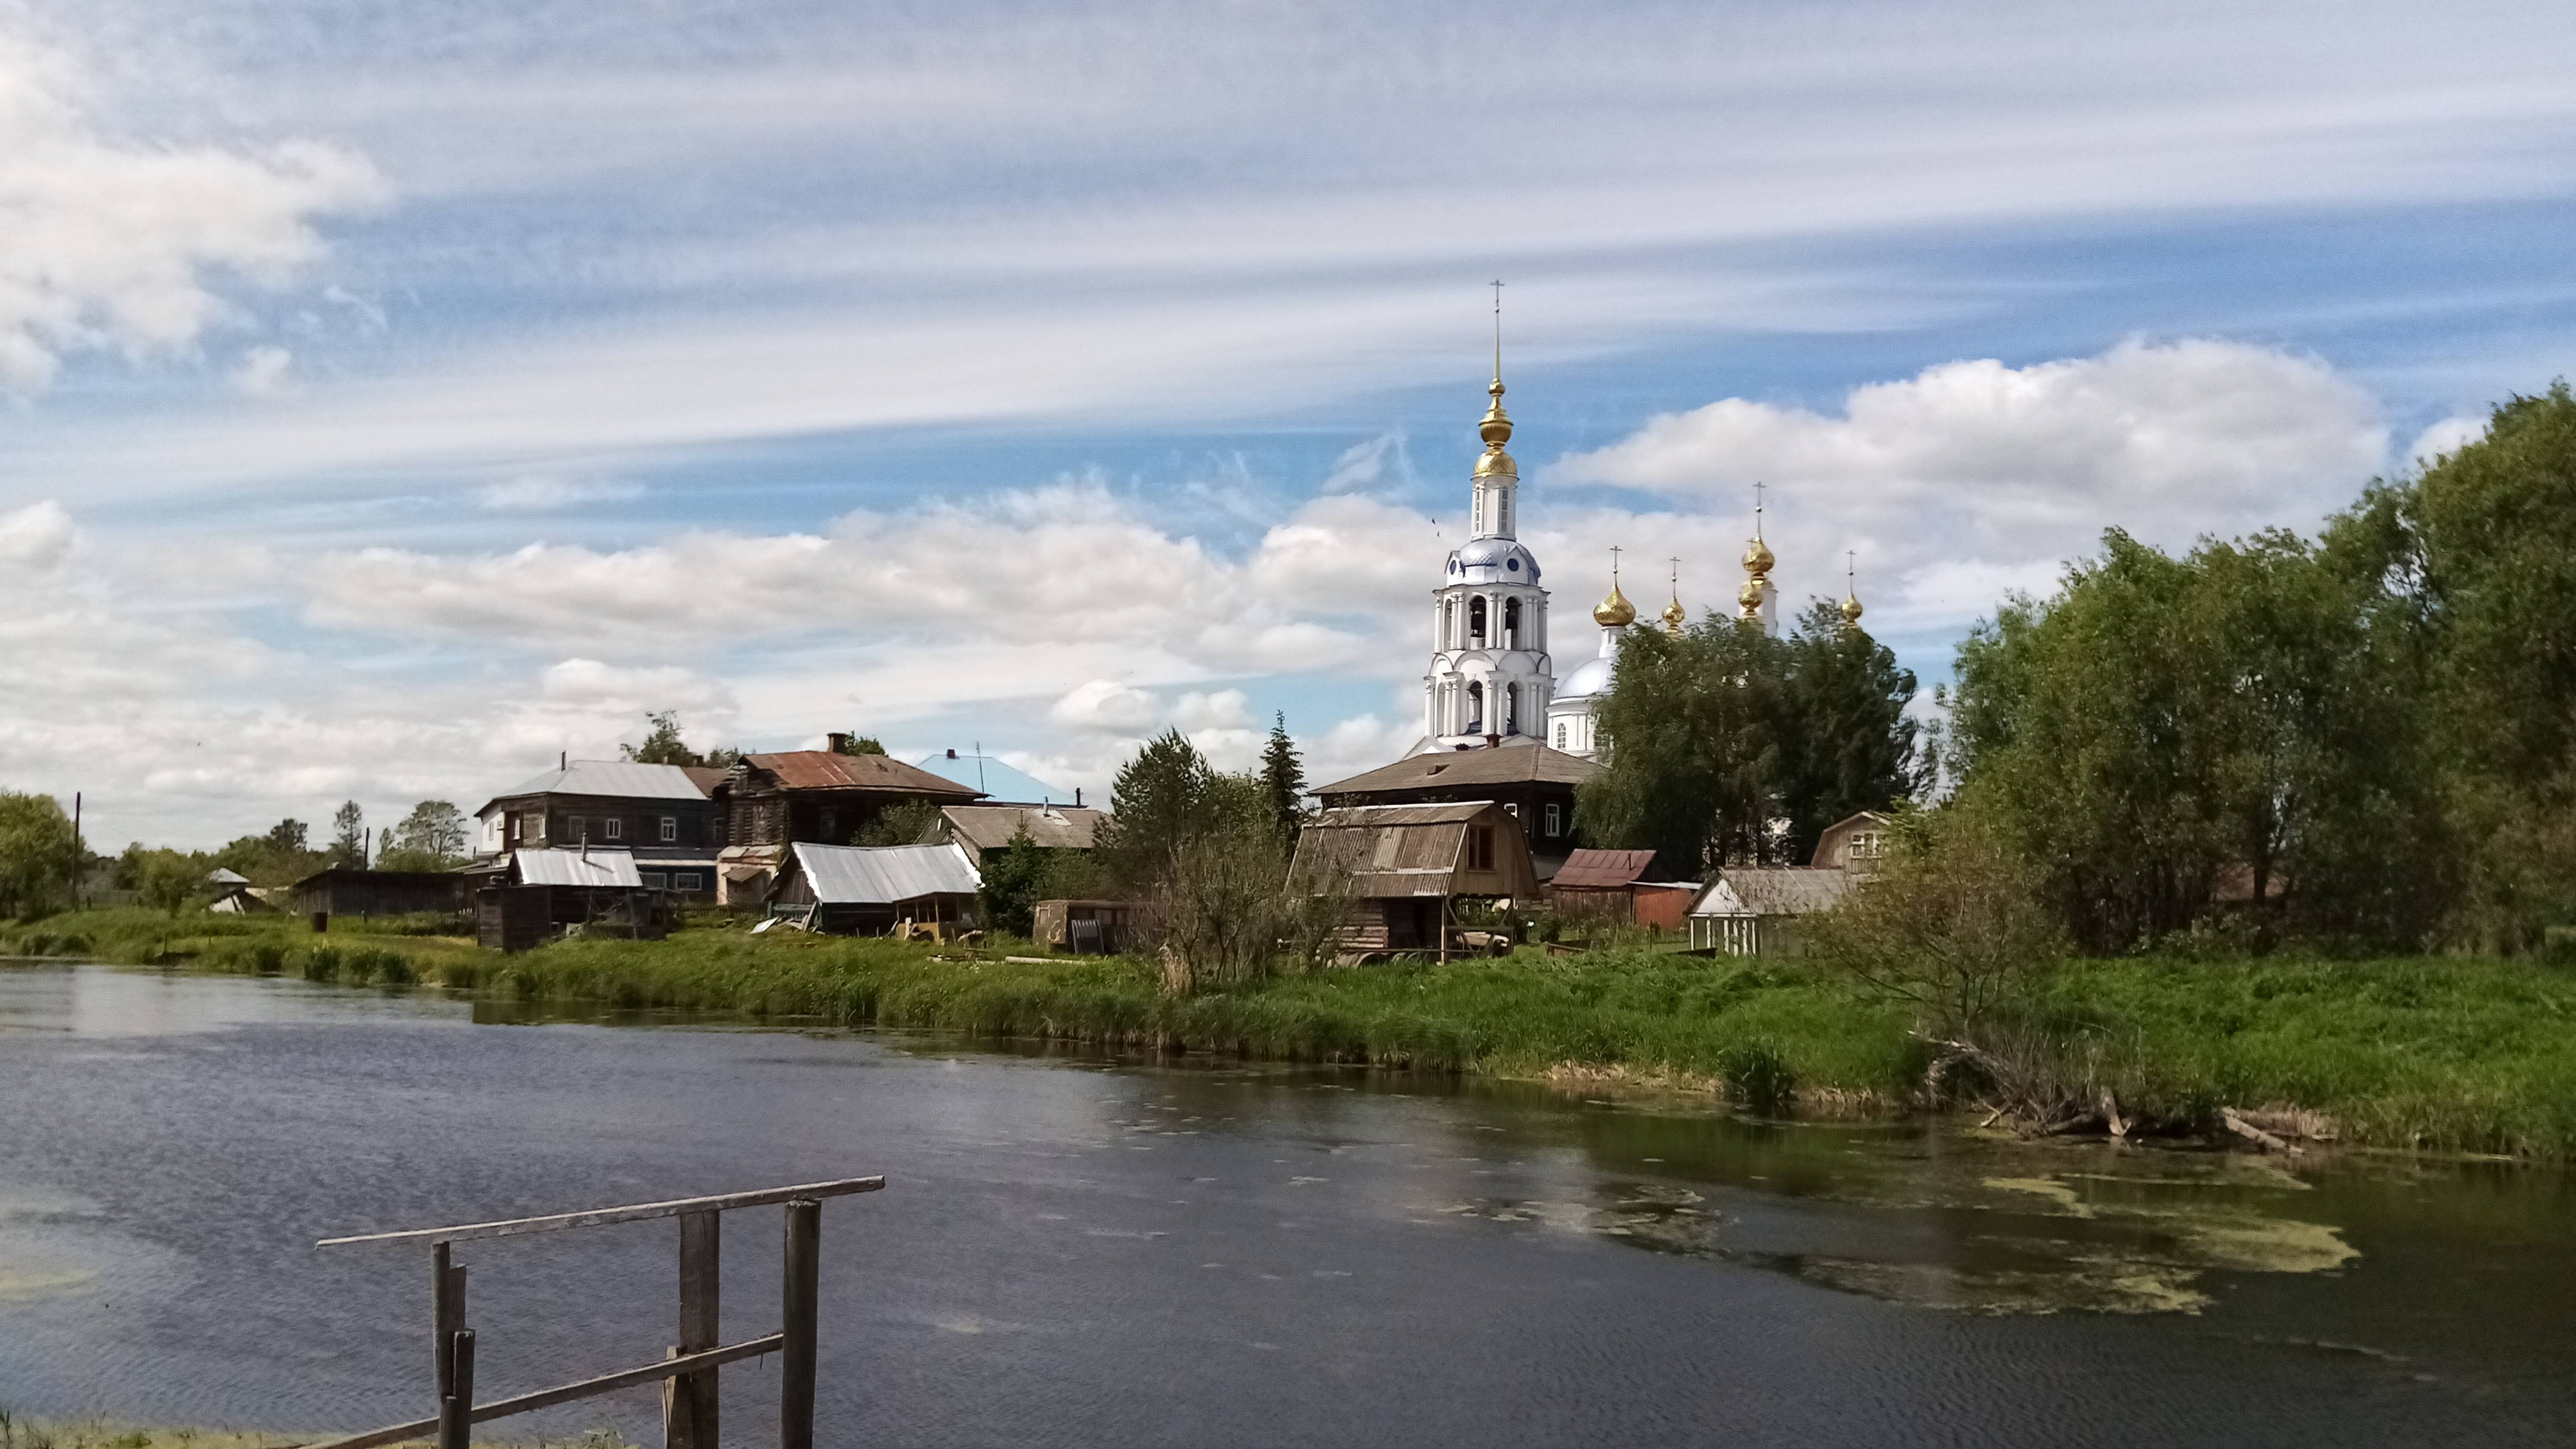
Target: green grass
(2436, 1052)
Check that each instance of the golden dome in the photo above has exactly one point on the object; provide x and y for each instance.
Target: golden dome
(1615, 612)
(1494, 461)
(1757, 557)
(1675, 616)
(1496, 429)
(1750, 596)
(1851, 610)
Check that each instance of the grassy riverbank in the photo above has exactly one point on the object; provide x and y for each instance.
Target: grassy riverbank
(2448, 1053)
(101, 1434)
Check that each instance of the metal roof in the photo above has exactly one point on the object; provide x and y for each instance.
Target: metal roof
(615, 779)
(824, 770)
(223, 877)
(1776, 890)
(883, 875)
(1603, 869)
(992, 827)
(997, 780)
(1505, 764)
(570, 868)
(1413, 850)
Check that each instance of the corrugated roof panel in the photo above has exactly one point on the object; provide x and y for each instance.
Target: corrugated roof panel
(611, 868)
(824, 770)
(617, 779)
(1604, 869)
(991, 827)
(1786, 890)
(997, 780)
(882, 875)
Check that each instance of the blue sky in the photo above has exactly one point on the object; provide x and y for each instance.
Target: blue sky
(398, 395)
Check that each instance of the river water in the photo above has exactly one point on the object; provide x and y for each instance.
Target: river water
(1078, 1251)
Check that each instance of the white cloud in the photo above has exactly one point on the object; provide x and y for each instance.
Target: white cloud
(36, 537)
(2443, 438)
(546, 492)
(1364, 465)
(1105, 706)
(119, 244)
(591, 684)
(263, 372)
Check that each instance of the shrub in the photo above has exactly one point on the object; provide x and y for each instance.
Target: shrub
(1757, 1077)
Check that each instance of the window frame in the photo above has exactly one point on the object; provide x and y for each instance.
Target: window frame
(670, 829)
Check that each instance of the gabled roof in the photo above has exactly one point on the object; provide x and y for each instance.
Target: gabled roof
(1410, 850)
(1509, 764)
(1055, 827)
(824, 770)
(594, 867)
(1603, 869)
(1774, 890)
(997, 780)
(616, 780)
(884, 875)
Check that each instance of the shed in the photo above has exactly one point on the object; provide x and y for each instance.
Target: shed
(1084, 926)
(1611, 885)
(238, 900)
(1854, 843)
(1532, 781)
(1400, 866)
(871, 888)
(1753, 910)
(585, 887)
(347, 891)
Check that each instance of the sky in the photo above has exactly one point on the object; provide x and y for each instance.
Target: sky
(397, 396)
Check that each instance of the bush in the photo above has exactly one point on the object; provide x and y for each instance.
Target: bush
(1757, 1077)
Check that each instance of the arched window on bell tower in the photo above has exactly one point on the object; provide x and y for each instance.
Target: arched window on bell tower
(1475, 708)
(1511, 623)
(1476, 621)
(1511, 709)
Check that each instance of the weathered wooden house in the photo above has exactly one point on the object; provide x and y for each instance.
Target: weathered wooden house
(1754, 910)
(664, 815)
(1533, 783)
(1854, 843)
(771, 802)
(1402, 868)
(868, 889)
(981, 830)
(347, 891)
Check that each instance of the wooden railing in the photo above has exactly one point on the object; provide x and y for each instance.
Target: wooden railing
(688, 1375)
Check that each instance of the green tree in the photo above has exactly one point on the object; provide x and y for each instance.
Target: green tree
(1691, 733)
(288, 837)
(167, 880)
(1846, 743)
(434, 836)
(37, 855)
(349, 836)
(1283, 775)
(1014, 878)
(861, 745)
(663, 745)
(908, 822)
(1161, 799)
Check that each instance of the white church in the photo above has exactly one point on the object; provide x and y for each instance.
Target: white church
(1493, 678)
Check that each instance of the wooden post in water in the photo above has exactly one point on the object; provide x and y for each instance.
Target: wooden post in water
(446, 1314)
(689, 1418)
(800, 1322)
(456, 1407)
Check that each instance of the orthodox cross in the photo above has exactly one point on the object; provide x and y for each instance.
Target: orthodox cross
(1614, 565)
(1757, 508)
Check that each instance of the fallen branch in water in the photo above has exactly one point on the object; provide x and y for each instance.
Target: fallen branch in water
(2235, 1122)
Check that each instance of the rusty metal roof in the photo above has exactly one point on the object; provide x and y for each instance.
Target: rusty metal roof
(1508, 764)
(824, 770)
(1603, 869)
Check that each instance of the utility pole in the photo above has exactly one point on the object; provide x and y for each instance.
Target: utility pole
(80, 853)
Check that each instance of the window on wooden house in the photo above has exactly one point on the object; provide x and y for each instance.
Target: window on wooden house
(654, 880)
(1555, 817)
(687, 880)
(612, 828)
(1480, 848)
(670, 828)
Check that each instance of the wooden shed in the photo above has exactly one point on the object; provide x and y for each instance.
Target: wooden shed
(851, 889)
(343, 891)
(1611, 885)
(1402, 866)
(1084, 927)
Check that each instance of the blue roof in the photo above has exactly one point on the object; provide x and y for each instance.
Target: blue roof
(998, 781)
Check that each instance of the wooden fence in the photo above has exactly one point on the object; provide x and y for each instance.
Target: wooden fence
(688, 1374)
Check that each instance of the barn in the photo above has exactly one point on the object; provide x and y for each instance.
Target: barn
(1402, 868)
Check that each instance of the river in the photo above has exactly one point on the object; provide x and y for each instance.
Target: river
(1073, 1250)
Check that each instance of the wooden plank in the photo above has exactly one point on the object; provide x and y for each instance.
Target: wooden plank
(800, 1324)
(565, 1393)
(690, 1422)
(640, 1212)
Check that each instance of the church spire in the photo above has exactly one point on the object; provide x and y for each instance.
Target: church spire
(1851, 590)
(1496, 428)
(1674, 614)
(1758, 561)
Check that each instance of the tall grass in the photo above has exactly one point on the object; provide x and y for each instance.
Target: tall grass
(2450, 1053)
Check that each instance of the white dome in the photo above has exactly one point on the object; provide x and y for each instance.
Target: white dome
(1591, 679)
(1492, 561)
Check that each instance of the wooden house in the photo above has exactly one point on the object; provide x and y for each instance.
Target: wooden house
(868, 889)
(1403, 867)
(1533, 783)
(981, 830)
(1854, 843)
(347, 891)
(664, 815)
(1754, 910)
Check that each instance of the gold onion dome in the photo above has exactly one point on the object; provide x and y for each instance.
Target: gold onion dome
(1758, 557)
(1496, 430)
(1750, 596)
(1615, 612)
(1851, 610)
(1675, 616)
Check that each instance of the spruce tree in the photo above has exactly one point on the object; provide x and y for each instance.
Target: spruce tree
(1284, 776)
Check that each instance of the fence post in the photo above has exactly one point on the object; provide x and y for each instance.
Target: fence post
(800, 1313)
(446, 1314)
(690, 1420)
(456, 1408)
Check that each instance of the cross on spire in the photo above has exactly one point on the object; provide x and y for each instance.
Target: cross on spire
(1757, 508)
(1614, 565)
(1497, 285)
